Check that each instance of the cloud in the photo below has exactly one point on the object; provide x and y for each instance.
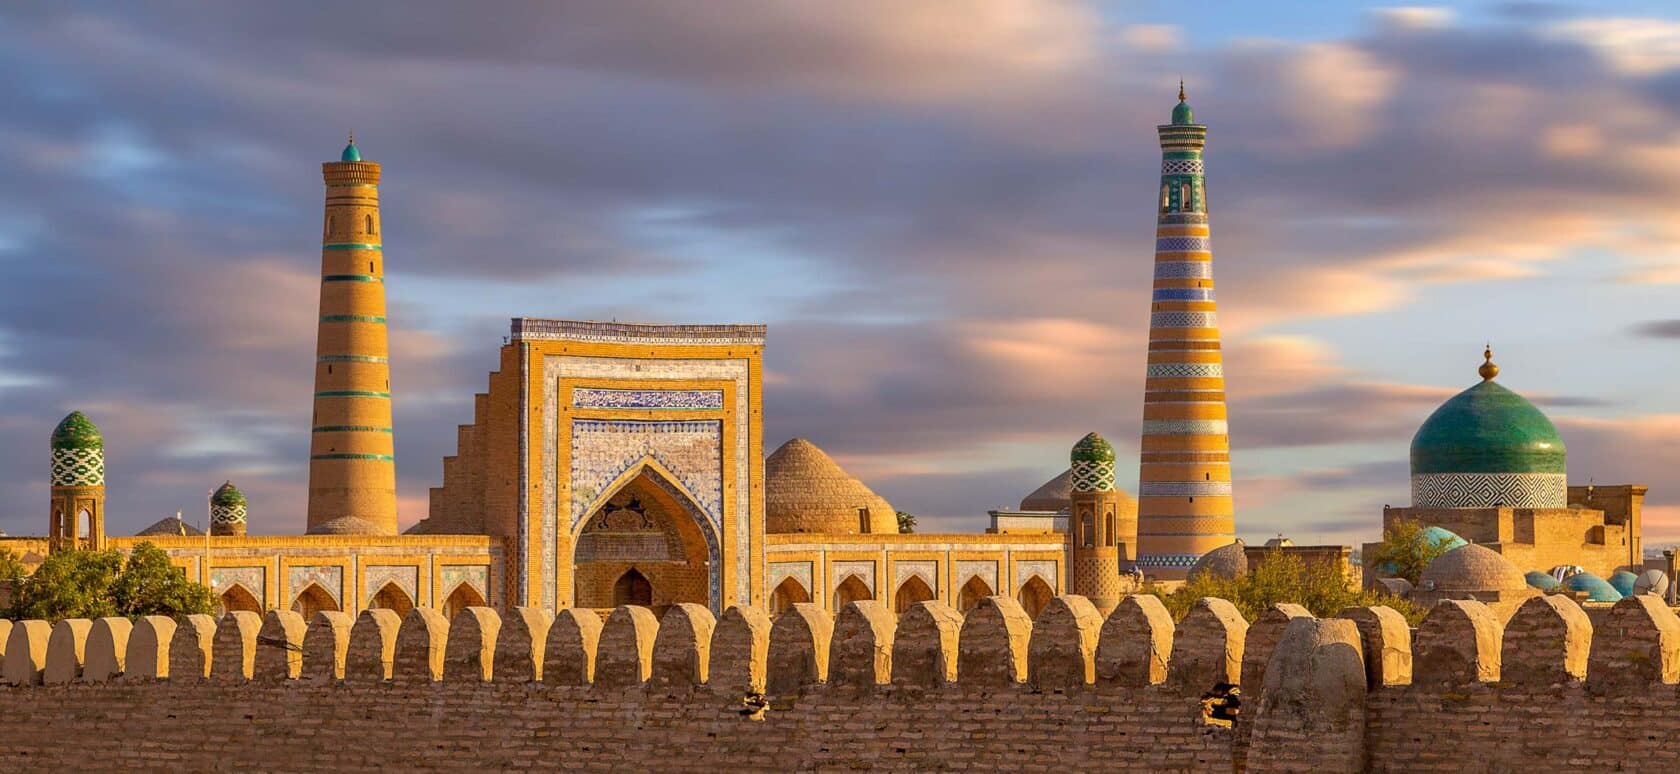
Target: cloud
(1638, 46)
(1659, 329)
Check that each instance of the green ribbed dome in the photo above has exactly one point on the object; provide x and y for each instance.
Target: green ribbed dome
(228, 495)
(76, 431)
(1487, 429)
(1092, 448)
(351, 153)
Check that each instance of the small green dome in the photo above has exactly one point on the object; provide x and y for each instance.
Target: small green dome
(228, 495)
(1487, 429)
(76, 431)
(1622, 581)
(1182, 114)
(351, 153)
(1092, 448)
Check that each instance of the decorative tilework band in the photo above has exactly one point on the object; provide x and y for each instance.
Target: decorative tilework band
(1183, 294)
(1184, 489)
(347, 456)
(1187, 370)
(227, 514)
(1183, 244)
(1167, 560)
(1184, 426)
(352, 394)
(1092, 476)
(1181, 166)
(352, 278)
(351, 359)
(1183, 269)
(357, 318)
(352, 246)
(78, 467)
(1487, 490)
(679, 400)
(350, 429)
(1183, 320)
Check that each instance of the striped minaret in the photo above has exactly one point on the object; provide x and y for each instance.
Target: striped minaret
(1184, 481)
(352, 474)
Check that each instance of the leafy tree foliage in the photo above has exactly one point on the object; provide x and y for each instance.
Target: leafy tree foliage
(95, 584)
(1404, 551)
(906, 523)
(1321, 587)
(11, 567)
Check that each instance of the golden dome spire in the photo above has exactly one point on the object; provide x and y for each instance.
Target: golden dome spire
(1488, 369)
(1181, 90)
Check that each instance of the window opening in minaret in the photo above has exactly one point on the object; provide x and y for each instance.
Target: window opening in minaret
(370, 225)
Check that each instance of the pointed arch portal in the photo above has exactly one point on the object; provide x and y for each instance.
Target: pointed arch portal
(646, 542)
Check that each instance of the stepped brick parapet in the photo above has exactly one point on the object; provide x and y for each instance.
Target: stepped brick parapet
(861, 690)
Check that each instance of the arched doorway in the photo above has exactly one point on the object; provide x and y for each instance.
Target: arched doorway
(971, 593)
(463, 597)
(913, 590)
(788, 593)
(237, 597)
(643, 545)
(313, 599)
(850, 590)
(1035, 594)
(392, 597)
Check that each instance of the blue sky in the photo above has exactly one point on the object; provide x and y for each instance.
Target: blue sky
(943, 211)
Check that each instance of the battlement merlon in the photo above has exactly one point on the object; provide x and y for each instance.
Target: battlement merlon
(537, 329)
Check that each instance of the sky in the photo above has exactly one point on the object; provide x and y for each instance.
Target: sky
(944, 212)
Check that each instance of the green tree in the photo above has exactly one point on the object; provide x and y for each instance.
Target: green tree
(95, 584)
(11, 567)
(906, 523)
(1404, 551)
(150, 585)
(1321, 587)
(69, 584)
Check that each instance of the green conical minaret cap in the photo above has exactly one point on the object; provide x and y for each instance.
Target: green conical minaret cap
(351, 152)
(1181, 112)
(1092, 448)
(76, 431)
(228, 495)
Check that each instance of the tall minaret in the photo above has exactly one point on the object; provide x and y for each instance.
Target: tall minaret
(1184, 481)
(352, 473)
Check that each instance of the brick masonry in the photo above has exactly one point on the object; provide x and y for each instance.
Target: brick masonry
(862, 690)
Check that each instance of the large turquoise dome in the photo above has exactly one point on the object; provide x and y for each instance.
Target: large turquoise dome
(1488, 446)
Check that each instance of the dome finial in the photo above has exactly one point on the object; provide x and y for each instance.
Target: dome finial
(1181, 89)
(1488, 369)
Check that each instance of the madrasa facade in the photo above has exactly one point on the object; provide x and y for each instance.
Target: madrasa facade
(617, 463)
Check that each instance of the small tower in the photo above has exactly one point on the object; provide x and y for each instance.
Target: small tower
(352, 473)
(1095, 528)
(227, 511)
(78, 485)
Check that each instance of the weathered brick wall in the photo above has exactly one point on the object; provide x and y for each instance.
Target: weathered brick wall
(930, 689)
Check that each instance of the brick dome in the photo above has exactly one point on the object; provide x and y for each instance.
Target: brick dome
(805, 490)
(1472, 567)
(1052, 496)
(1227, 561)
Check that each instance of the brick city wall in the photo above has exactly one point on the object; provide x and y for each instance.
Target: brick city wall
(928, 689)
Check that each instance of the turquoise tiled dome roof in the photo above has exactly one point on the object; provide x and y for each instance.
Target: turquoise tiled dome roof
(76, 431)
(1092, 448)
(1596, 588)
(1181, 111)
(1622, 581)
(1487, 429)
(351, 153)
(1442, 536)
(1542, 581)
(228, 495)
